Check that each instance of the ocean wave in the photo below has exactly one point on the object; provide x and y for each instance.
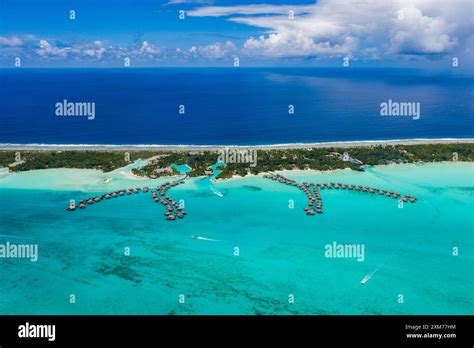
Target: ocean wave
(220, 146)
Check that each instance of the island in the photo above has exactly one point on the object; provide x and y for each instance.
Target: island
(204, 162)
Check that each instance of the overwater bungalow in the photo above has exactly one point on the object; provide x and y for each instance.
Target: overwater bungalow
(71, 206)
(314, 199)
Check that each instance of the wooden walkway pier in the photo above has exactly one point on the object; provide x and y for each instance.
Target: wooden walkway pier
(315, 202)
(173, 208)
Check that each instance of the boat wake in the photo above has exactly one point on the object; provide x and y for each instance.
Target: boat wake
(368, 276)
(216, 192)
(206, 239)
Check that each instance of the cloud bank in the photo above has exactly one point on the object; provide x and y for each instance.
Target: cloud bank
(352, 28)
(370, 30)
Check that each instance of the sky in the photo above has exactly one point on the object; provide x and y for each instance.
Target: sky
(216, 33)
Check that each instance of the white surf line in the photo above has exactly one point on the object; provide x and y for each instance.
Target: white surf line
(206, 239)
(368, 276)
(211, 147)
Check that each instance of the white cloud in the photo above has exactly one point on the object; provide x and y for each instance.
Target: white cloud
(418, 33)
(214, 51)
(148, 49)
(143, 51)
(219, 11)
(371, 28)
(10, 41)
(96, 51)
(47, 50)
(178, 2)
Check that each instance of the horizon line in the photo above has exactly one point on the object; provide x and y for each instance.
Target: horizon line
(239, 67)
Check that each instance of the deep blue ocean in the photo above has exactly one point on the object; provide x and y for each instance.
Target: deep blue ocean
(230, 106)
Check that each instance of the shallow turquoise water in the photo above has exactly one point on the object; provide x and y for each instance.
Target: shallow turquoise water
(181, 168)
(281, 249)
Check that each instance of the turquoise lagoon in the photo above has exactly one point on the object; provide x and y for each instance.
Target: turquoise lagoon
(281, 249)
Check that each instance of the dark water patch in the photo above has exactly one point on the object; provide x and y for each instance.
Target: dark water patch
(123, 269)
(438, 213)
(468, 189)
(252, 188)
(435, 190)
(66, 266)
(440, 190)
(202, 194)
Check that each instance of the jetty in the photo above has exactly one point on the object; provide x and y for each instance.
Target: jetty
(174, 210)
(312, 191)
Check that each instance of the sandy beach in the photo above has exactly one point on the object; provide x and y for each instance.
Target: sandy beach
(347, 144)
